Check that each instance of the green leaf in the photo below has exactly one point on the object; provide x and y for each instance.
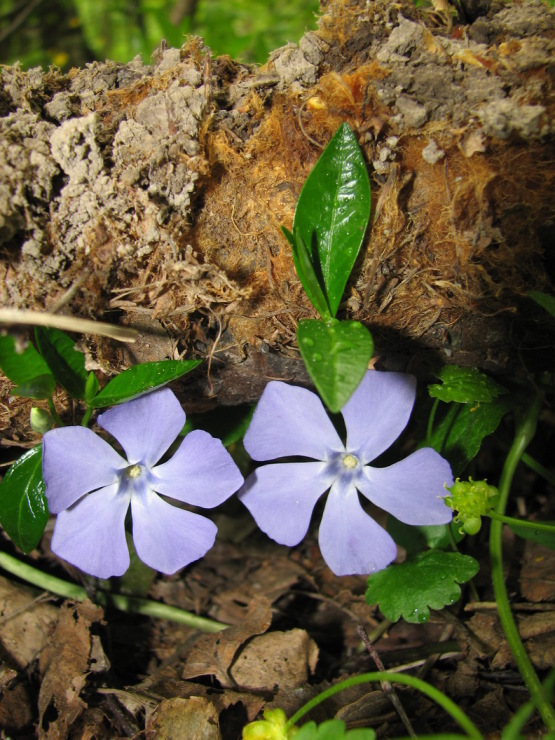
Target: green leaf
(333, 211)
(544, 300)
(541, 536)
(417, 538)
(23, 506)
(459, 435)
(140, 379)
(465, 385)
(91, 387)
(27, 369)
(336, 355)
(426, 581)
(307, 275)
(332, 729)
(65, 362)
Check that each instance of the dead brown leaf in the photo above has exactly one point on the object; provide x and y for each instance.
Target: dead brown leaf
(64, 665)
(284, 659)
(214, 654)
(195, 718)
(537, 575)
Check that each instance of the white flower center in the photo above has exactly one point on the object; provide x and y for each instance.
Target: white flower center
(350, 461)
(133, 471)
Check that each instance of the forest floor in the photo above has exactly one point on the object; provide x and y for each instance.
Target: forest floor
(78, 670)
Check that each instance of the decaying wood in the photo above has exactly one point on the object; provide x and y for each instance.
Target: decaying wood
(151, 195)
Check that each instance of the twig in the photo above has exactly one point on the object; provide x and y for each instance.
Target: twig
(69, 323)
(387, 688)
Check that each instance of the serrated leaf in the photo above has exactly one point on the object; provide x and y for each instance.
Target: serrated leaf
(23, 506)
(459, 435)
(425, 581)
(544, 300)
(312, 283)
(140, 379)
(27, 369)
(332, 729)
(465, 385)
(66, 363)
(336, 355)
(541, 536)
(333, 211)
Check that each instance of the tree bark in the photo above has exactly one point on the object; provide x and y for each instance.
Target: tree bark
(152, 195)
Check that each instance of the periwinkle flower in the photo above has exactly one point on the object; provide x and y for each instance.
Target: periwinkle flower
(291, 421)
(91, 487)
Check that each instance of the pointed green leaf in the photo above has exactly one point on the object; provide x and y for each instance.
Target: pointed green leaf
(544, 300)
(140, 379)
(27, 369)
(465, 385)
(333, 211)
(66, 363)
(306, 273)
(336, 355)
(426, 581)
(332, 729)
(23, 506)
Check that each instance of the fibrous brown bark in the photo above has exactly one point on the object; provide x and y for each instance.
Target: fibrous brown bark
(152, 195)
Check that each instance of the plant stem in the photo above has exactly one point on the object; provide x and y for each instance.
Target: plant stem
(524, 432)
(87, 416)
(123, 603)
(431, 420)
(425, 688)
(54, 413)
(539, 526)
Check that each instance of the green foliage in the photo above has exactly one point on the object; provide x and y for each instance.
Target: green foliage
(332, 729)
(336, 356)
(465, 385)
(27, 369)
(428, 580)
(66, 363)
(332, 213)
(141, 378)
(330, 221)
(544, 300)
(416, 538)
(23, 507)
(541, 536)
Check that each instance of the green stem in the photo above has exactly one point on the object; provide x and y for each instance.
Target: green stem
(539, 526)
(54, 413)
(524, 433)
(87, 416)
(123, 603)
(431, 420)
(538, 468)
(417, 683)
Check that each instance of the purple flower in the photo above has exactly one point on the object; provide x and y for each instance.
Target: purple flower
(281, 497)
(90, 486)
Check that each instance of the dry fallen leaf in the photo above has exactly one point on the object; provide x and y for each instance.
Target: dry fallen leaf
(195, 718)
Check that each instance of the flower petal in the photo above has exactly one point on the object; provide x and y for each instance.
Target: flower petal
(76, 461)
(377, 412)
(201, 472)
(281, 498)
(167, 538)
(290, 421)
(351, 542)
(91, 534)
(146, 426)
(412, 489)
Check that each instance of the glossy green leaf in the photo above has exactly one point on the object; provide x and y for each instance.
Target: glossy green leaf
(23, 506)
(66, 363)
(544, 300)
(312, 283)
(140, 379)
(333, 211)
(27, 369)
(91, 387)
(459, 435)
(336, 355)
(425, 581)
(416, 538)
(465, 385)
